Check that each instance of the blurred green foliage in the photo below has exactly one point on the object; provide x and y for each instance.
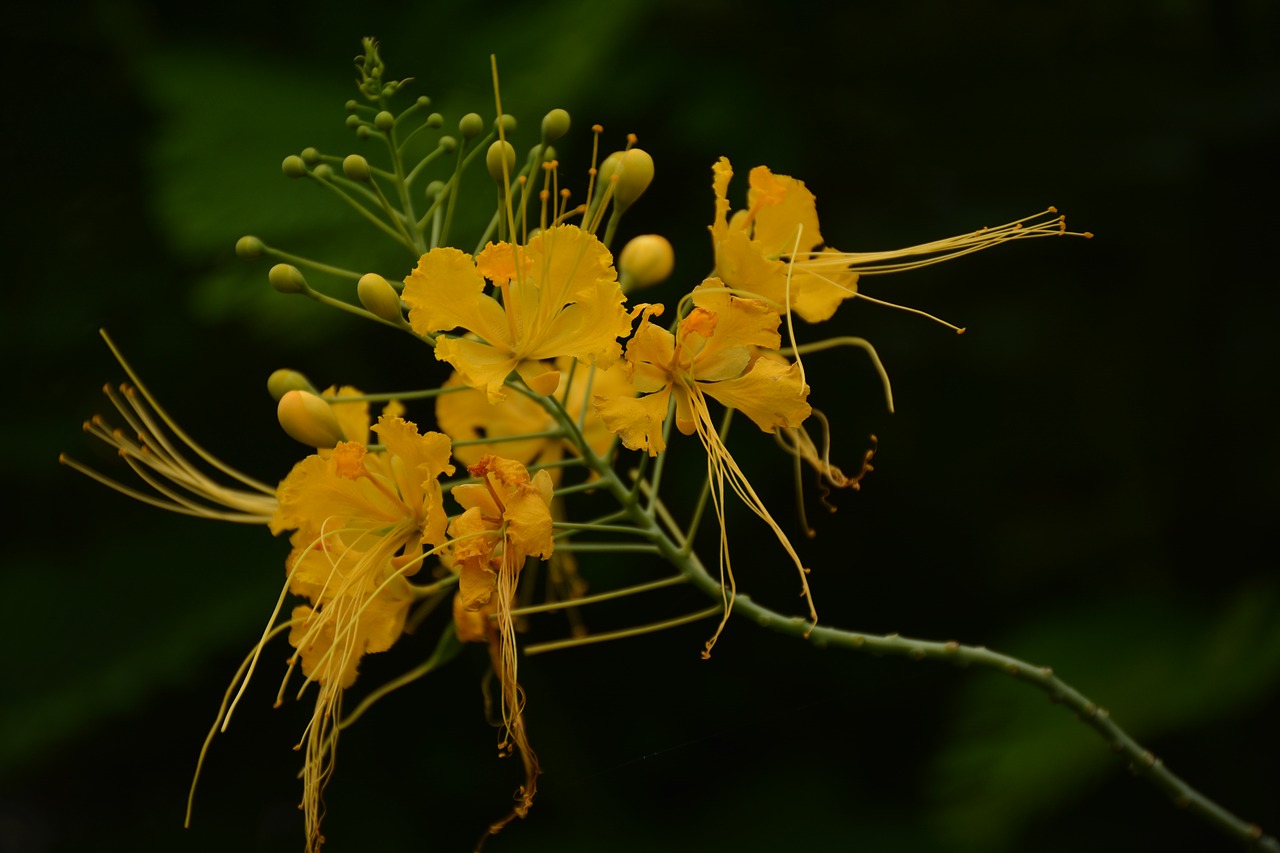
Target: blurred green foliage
(1086, 479)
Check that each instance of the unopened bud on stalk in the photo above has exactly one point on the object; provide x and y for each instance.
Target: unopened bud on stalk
(608, 167)
(499, 152)
(356, 168)
(470, 126)
(310, 156)
(555, 124)
(508, 123)
(384, 121)
(249, 247)
(287, 278)
(645, 261)
(379, 298)
(284, 380)
(294, 167)
(635, 173)
(307, 418)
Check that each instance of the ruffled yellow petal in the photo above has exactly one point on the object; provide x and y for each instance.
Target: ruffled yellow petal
(480, 366)
(784, 210)
(497, 262)
(331, 643)
(771, 393)
(739, 324)
(749, 247)
(579, 303)
(637, 421)
(445, 291)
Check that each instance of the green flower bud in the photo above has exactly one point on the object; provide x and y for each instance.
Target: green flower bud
(608, 166)
(471, 126)
(310, 156)
(423, 102)
(362, 132)
(356, 168)
(379, 298)
(287, 278)
(645, 261)
(384, 121)
(293, 167)
(353, 121)
(282, 381)
(501, 151)
(353, 105)
(434, 189)
(555, 124)
(249, 247)
(447, 144)
(435, 121)
(508, 123)
(307, 418)
(324, 171)
(635, 173)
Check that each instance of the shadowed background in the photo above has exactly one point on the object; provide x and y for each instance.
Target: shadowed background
(1086, 479)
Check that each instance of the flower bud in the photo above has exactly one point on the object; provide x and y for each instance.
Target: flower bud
(282, 381)
(293, 167)
(287, 278)
(434, 189)
(356, 168)
(309, 419)
(470, 126)
(384, 121)
(423, 102)
(635, 173)
(609, 166)
(249, 247)
(435, 121)
(499, 152)
(447, 144)
(324, 171)
(379, 298)
(310, 156)
(555, 124)
(508, 123)
(645, 261)
(353, 121)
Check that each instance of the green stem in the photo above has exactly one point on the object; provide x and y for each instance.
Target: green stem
(1143, 762)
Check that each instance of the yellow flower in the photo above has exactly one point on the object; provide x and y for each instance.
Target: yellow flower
(712, 353)
(755, 247)
(361, 522)
(774, 249)
(560, 297)
(506, 520)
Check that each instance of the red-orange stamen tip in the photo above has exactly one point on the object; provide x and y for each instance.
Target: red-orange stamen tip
(596, 128)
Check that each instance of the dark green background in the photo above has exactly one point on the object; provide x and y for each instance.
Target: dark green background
(1087, 479)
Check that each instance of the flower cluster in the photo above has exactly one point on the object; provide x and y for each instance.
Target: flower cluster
(558, 386)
